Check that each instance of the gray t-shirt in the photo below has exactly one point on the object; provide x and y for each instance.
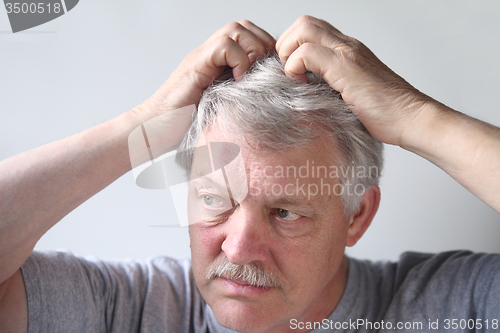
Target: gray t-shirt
(451, 290)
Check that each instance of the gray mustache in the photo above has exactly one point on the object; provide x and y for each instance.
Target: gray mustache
(251, 273)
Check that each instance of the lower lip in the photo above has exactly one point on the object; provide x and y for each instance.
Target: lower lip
(236, 289)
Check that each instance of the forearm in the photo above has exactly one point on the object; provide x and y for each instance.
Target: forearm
(466, 148)
(41, 186)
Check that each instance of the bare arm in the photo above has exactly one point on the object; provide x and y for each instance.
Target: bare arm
(466, 148)
(41, 186)
(392, 110)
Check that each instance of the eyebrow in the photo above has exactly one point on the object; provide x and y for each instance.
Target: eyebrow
(197, 173)
(201, 181)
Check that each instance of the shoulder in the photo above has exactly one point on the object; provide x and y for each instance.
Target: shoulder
(110, 293)
(62, 269)
(415, 266)
(455, 267)
(458, 284)
(52, 261)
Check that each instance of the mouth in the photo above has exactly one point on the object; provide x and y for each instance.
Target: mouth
(240, 287)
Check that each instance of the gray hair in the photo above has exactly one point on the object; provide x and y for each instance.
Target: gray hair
(279, 112)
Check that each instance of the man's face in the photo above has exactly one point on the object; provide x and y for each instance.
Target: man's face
(281, 226)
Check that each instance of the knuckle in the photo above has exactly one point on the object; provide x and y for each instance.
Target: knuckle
(245, 22)
(344, 45)
(226, 40)
(226, 43)
(259, 48)
(306, 47)
(305, 19)
(234, 26)
(308, 27)
(302, 51)
(221, 44)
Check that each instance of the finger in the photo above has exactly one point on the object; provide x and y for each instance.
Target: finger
(308, 33)
(251, 43)
(318, 59)
(267, 40)
(227, 52)
(286, 33)
(306, 19)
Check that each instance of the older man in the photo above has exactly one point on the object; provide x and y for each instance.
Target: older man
(272, 260)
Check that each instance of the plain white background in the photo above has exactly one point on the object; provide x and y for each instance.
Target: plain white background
(104, 57)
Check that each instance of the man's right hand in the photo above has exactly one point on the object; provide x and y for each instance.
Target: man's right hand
(237, 45)
(166, 116)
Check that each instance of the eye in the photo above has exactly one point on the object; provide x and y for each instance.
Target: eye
(212, 201)
(287, 215)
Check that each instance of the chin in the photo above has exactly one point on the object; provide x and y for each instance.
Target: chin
(242, 317)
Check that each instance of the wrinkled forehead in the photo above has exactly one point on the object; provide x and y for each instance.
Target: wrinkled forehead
(218, 148)
(226, 142)
(213, 156)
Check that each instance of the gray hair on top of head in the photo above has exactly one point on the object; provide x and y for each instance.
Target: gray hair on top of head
(279, 112)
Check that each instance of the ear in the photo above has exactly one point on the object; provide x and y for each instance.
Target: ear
(363, 217)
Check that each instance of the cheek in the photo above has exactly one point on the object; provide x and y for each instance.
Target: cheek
(205, 248)
(205, 242)
(315, 256)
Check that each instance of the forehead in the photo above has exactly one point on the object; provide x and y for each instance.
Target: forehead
(320, 151)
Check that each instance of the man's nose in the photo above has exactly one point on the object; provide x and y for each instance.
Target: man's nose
(247, 235)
